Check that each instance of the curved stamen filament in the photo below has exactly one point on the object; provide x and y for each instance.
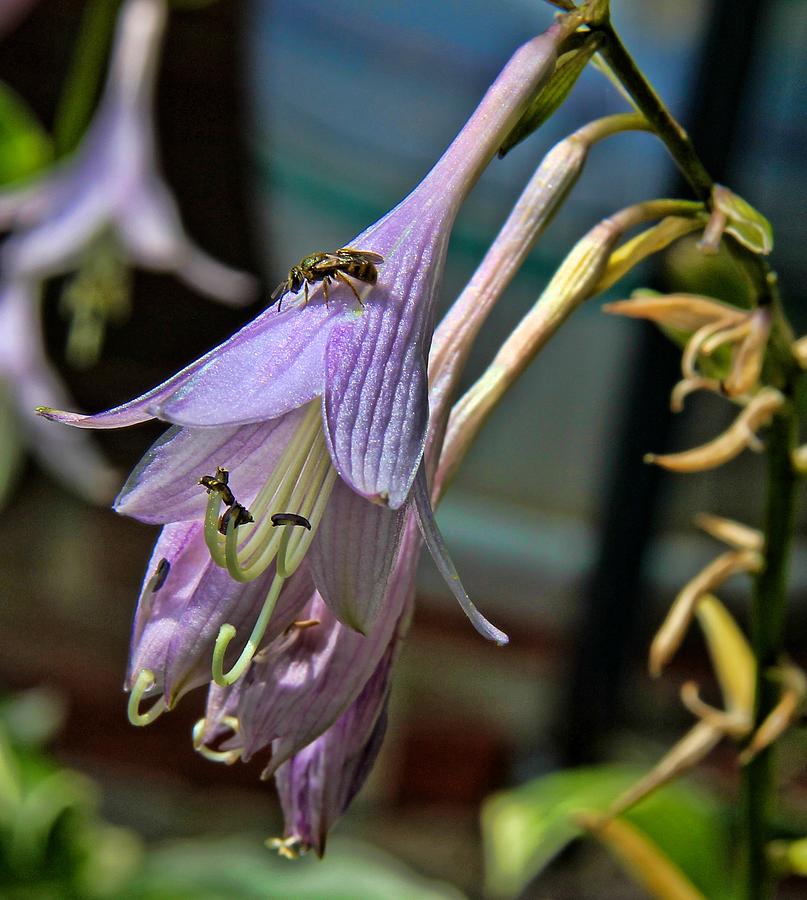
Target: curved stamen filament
(212, 536)
(228, 757)
(300, 538)
(227, 633)
(308, 498)
(145, 682)
(300, 484)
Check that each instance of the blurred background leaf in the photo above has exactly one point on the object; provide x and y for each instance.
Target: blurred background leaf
(525, 828)
(242, 868)
(25, 147)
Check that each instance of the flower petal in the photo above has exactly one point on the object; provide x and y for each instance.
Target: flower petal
(272, 365)
(298, 691)
(70, 456)
(164, 486)
(376, 405)
(179, 614)
(434, 541)
(352, 556)
(316, 785)
(376, 393)
(149, 223)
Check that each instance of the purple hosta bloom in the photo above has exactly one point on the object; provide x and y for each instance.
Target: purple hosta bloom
(308, 428)
(25, 378)
(111, 188)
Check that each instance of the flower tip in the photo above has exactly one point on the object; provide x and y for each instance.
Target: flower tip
(60, 415)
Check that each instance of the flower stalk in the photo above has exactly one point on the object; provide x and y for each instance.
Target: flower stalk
(767, 639)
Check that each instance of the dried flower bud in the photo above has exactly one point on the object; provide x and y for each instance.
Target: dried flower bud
(672, 631)
(748, 359)
(680, 312)
(739, 435)
(735, 534)
(782, 716)
(681, 757)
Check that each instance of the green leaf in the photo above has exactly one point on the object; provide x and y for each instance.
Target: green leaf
(525, 828)
(25, 147)
(242, 869)
(563, 79)
(744, 223)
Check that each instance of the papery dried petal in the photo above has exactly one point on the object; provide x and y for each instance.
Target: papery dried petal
(747, 364)
(783, 715)
(678, 619)
(735, 534)
(682, 757)
(731, 443)
(682, 312)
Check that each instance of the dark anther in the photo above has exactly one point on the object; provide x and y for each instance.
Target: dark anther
(239, 515)
(290, 519)
(218, 483)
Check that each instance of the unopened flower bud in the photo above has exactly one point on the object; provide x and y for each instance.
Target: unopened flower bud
(739, 219)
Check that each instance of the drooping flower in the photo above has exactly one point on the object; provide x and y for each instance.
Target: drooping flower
(111, 189)
(108, 201)
(334, 393)
(314, 420)
(25, 378)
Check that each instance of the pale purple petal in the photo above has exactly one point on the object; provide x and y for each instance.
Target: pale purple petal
(271, 366)
(208, 276)
(296, 692)
(69, 455)
(176, 625)
(316, 785)
(150, 228)
(164, 486)
(352, 555)
(375, 401)
(434, 541)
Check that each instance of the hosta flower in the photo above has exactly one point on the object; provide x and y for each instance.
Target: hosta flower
(291, 487)
(111, 190)
(25, 378)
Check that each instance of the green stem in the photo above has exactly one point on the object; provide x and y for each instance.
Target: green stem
(679, 146)
(650, 104)
(770, 592)
(767, 638)
(86, 68)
